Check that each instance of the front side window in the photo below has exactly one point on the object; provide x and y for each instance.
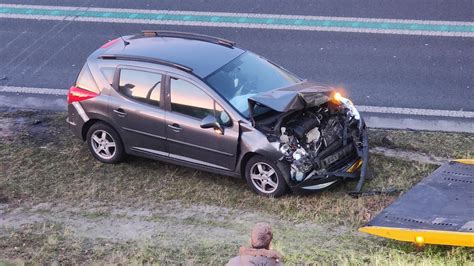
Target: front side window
(188, 99)
(222, 117)
(141, 85)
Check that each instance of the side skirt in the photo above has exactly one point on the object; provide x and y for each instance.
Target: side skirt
(168, 159)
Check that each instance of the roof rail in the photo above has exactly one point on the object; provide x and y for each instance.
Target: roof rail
(188, 35)
(146, 60)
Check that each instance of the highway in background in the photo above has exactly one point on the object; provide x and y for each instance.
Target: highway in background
(403, 54)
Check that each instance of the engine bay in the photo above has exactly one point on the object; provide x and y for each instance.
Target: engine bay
(315, 141)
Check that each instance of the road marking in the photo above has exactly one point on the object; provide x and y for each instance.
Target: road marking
(414, 111)
(361, 108)
(30, 90)
(240, 20)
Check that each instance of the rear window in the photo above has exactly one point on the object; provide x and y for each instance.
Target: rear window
(86, 81)
(108, 73)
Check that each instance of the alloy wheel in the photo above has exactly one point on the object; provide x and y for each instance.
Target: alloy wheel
(264, 177)
(103, 144)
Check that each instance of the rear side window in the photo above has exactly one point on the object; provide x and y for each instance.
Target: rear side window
(141, 85)
(86, 81)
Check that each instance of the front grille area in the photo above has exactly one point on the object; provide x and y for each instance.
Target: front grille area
(345, 156)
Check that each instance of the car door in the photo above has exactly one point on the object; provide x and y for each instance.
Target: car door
(187, 141)
(135, 106)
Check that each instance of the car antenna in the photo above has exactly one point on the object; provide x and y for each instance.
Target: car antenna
(124, 41)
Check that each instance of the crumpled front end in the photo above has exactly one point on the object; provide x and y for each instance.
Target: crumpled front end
(322, 142)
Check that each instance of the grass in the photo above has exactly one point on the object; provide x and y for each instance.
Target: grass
(442, 144)
(44, 163)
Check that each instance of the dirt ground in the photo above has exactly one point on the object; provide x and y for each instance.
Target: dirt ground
(57, 204)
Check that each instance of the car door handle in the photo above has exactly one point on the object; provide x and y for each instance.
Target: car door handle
(175, 127)
(120, 112)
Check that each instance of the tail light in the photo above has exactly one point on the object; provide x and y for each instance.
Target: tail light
(76, 94)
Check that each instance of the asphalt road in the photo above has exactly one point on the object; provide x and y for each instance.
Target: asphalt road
(458, 10)
(376, 69)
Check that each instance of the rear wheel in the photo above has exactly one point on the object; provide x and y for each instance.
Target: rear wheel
(104, 143)
(264, 177)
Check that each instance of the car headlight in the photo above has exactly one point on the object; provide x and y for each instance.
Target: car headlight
(348, 103)
(338, 98)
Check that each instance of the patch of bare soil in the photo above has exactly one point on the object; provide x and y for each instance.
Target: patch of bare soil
(409, 155)
(170, 221)
(35, 125)
(9, 126)
(3, 196)
(170, 225)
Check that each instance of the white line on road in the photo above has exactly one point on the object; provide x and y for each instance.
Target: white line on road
(361, 108)
(249, 15)
(243, 26)
(246, 25)
(415, 111)
(30, 90)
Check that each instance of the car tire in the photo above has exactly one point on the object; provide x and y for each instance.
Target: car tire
(265, 177)
(105, 143)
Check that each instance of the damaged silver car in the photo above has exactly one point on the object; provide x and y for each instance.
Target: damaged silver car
(203, 102)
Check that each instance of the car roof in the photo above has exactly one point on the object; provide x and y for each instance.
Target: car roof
(203, 57)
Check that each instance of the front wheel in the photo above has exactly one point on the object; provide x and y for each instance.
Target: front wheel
(264, 177)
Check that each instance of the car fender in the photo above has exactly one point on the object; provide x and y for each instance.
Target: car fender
(98, 114)
(252, 141)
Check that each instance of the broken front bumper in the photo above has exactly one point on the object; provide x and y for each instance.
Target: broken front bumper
(351, 168)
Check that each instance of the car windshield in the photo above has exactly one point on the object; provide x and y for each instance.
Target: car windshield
(247, 75)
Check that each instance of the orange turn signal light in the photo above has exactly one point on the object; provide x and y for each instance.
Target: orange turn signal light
(420, 240)
(354, 167)
(336, 98)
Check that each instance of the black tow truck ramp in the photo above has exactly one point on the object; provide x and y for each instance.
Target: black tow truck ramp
(438, 210)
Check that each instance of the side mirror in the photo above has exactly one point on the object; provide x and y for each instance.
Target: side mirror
(210, 121)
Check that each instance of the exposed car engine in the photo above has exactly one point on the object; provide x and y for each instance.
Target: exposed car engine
(319, 134)
(315, 139)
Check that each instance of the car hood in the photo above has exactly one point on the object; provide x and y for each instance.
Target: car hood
(296, 97)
